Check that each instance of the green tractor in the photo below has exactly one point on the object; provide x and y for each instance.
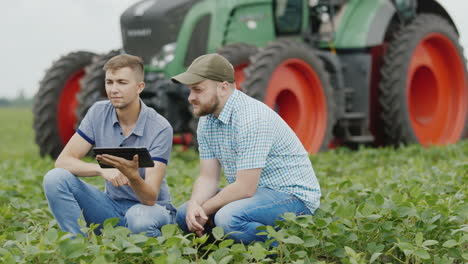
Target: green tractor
(339, 72)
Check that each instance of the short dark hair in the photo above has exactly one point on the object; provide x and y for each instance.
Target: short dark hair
(126, 60)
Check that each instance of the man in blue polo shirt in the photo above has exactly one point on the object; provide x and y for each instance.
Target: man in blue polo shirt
(267, 168)
(138, 197)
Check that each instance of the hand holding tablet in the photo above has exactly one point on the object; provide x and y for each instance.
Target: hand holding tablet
(144, 158)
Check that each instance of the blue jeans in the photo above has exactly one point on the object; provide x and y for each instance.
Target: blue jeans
(245, 215)
(70, 197)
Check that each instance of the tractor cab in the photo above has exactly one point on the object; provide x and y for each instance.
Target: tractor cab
(150, 28)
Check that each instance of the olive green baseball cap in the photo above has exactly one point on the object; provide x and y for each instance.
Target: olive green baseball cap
(209, 66)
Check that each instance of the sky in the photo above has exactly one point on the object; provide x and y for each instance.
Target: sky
(35, 33)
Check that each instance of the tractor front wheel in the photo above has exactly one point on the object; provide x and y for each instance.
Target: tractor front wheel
(288, 77)
(55, 102)
(423, 89)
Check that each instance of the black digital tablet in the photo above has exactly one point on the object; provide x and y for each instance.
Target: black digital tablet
(144, 158)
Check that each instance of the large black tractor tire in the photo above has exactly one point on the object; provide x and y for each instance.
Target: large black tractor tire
(238, 54)
(93, 87)
(55, 102)
(287, 76)
(423, 87)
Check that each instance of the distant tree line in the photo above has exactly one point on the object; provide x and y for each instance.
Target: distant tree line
(20, 101)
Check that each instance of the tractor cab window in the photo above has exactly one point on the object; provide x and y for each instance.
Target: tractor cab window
(288, 16)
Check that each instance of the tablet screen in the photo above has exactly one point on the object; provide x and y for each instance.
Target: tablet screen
(144, 158)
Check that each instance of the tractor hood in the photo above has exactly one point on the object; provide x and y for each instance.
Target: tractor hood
(150, 24)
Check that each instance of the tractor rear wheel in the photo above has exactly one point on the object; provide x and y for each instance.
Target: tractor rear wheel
(238, 54)
(55, 102)
(93, 86)
(423, 89)
(288, 77)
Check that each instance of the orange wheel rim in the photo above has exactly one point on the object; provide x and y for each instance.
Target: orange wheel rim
(239, 74)
(437, 91)
(296, 93)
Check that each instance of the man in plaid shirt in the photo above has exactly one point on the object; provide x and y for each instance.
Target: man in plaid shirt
(268, 170)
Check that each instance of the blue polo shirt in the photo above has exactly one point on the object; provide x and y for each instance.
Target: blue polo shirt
(101, 128)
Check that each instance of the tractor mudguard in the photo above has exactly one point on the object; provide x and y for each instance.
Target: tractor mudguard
(364, 23)
(226, 22)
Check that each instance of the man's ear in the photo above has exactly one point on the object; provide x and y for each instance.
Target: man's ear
(141, 87)
(226, 87)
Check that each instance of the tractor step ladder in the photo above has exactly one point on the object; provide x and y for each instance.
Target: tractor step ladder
(355, 127)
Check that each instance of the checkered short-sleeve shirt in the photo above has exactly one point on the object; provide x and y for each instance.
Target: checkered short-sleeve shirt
(248, 135)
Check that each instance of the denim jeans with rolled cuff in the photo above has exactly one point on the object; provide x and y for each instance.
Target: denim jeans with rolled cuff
(242, 217)
(69, 198)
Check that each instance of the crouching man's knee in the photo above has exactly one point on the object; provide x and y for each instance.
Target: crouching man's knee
(148, 219)
(56, 178)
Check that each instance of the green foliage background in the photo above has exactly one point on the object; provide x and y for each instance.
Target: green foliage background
(385, 205)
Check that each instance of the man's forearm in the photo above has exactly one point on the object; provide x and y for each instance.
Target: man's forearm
(144, 193)
(230, 193)
(203, 189)
(78, 167)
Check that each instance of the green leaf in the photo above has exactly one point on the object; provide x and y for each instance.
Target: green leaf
(173, 241)
(422, 253)
(271, 231)
(465, 256)
(450, 243)
(350, 251)
(258, 252)
(419, 238)
(372, 247)
(406, 247)
(168, 230)
(366, 209)
(220, 253)
(404, 211)
(289, 217)
(211, 247)
(293, 240)
(133, 250)
(369, 227)
(160, 259)
(430, 243)
(226, 243)
(3, 252)
(111, 221)
(51, 236)
(379, 199)
(374, 257)
(202, 239)
(218, 232)
(226, 260)
(210, 260)
(301, 253)
(238, 248)
(72, 250)
(373, 217)
(320, 223)
(99, 260)
(139, 238)
(189, 251)
(311, 242)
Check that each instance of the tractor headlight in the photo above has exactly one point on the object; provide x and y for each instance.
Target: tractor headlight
(165, 56)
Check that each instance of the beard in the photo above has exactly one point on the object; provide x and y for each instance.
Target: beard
(205, 109)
